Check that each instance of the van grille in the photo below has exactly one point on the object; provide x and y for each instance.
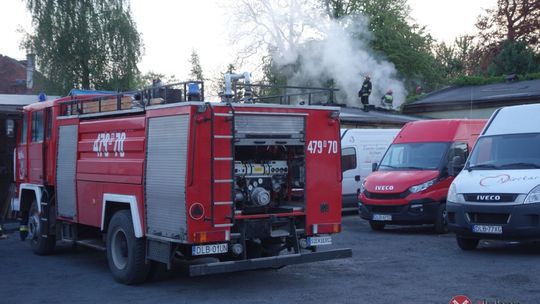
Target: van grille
(385, 209)
(488, 218)
(386, 196)
(490, 197)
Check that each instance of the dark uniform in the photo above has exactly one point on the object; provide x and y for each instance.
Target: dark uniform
(364, 93)
(2, 235)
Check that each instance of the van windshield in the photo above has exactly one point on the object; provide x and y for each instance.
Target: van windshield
(511, 151)
(414, 156)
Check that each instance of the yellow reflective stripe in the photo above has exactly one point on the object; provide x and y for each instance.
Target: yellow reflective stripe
(23, 228)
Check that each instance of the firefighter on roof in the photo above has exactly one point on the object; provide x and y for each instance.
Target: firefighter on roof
(387, 100)
(364, 93)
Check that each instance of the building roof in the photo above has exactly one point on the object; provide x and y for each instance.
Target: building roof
(375, 117)
(12, 75)
(14, 102)
(490, 95)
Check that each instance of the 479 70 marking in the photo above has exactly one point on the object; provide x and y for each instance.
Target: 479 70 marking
(104, 140)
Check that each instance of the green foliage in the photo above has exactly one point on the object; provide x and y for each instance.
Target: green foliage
(405, 44)
(86, 43)
(146, 80)
(196, 72)
(515, 57)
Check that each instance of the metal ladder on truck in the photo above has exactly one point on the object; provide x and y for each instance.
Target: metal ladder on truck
(222, 166)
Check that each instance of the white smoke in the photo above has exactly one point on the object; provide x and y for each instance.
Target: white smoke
(301, 35)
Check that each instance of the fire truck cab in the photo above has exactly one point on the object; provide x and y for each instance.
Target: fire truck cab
(150, 176)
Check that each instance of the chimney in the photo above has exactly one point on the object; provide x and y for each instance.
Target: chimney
(30, 66)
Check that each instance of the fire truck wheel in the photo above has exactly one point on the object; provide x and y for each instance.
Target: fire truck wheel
(467, 244)
(39, 244)
(376, 226)
(441, 222)
(126, 254)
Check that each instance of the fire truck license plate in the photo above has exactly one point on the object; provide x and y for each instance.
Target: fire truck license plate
(319, 240)
(209, 249)
(487, 229)
(382, 217)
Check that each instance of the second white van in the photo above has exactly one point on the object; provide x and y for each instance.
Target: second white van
(360, 148)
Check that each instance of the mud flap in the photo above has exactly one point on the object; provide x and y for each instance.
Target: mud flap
(268, 262)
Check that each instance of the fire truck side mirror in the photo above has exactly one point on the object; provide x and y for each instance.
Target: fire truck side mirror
(10, 128)
(201, 108)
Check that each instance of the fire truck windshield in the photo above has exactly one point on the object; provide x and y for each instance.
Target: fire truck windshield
(414, 156)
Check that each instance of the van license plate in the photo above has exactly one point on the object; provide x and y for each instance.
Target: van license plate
(487, 229)
(209, 249)
(319, 240)
(382, 217)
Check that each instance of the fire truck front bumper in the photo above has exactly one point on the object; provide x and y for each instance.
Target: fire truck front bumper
(268, 262)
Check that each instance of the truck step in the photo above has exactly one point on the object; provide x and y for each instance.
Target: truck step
(279, 233)
(92, 243)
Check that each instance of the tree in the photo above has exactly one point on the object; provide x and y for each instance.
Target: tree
(515, 57)
(513, 20)
(196, 69)
(146, 80)
(86, 43)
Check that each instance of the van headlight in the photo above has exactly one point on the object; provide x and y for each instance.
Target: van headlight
(422, 187)
(453, 196)
(533, 196)
(363, 186)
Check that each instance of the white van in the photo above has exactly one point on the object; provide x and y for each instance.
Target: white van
(360, 148)
(497, 194)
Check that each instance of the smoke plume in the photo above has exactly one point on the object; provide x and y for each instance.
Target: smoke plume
(318, 48)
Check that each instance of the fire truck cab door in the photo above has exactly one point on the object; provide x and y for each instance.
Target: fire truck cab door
(21, 153)
(36, 147)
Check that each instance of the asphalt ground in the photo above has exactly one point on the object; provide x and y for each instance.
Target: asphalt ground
(399, 265)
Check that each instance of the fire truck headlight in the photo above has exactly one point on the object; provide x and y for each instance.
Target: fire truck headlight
(533, 196)
(237, 249)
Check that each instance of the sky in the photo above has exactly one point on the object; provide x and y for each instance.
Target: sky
(171, 29)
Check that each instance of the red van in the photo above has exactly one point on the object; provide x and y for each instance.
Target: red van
(410, 184)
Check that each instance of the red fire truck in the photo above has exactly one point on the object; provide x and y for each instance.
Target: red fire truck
(153, 176)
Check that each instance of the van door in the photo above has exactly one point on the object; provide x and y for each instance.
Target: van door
(351, 177)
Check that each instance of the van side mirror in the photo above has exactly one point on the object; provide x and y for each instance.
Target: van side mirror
(374, 167)
(455, 165)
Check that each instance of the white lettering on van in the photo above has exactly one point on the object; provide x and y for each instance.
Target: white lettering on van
(503, 179)
(384, 188)
(488, 198)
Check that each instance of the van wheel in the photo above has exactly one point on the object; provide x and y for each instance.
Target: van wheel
(126, 254)
(441, 221)
(376, 226)
(40, 244)
(467, 244)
